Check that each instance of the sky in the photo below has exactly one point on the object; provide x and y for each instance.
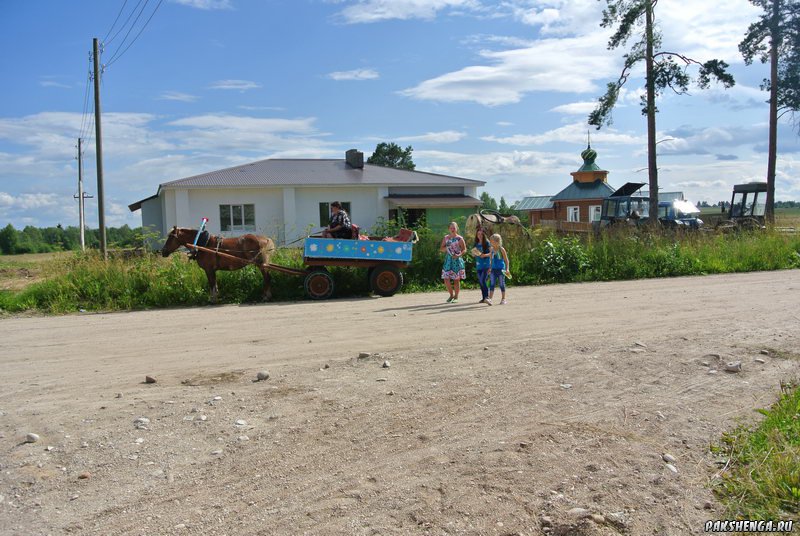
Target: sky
(497, 91)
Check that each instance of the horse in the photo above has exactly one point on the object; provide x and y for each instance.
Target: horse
(252, 249)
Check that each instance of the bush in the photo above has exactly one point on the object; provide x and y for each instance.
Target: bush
(84, 281)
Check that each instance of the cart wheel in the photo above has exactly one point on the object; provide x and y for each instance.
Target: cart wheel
(318, 284)
(385, 280)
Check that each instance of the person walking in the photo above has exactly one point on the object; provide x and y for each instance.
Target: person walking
(482, 253)
(499, 268)
(454, 247)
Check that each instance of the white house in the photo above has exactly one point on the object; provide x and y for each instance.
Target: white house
(285, 198)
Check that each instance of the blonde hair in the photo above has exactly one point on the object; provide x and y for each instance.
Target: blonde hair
(454, 223)
(497, 238)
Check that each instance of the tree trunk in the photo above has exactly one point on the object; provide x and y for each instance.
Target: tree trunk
(775, 39)
(652, 163)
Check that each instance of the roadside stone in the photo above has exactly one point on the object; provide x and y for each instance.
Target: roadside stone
(202, 418)
(704, 363)
(713, 356)
(244, 438)
(579, 513)
(364, 355)
(119, 395)
(617, 519)
(669, 458)
(381, 379)
(672, 468)
(262, 375)
(733, 366)
(216, 452)
(149, 379)
(640, 344)
(708, 505)
(31, 438)
(759, 360)
(547, 521)
(84, 475)
(241, 422)
(139, 440)
(765, 352)
(140, 423)
(597, 518)
(386, 364)
(712, 371)
(566, 386)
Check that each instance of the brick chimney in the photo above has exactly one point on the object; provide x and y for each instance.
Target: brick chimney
(354, 158)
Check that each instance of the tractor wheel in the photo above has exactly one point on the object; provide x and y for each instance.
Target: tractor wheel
(385, 280)
(318, 284)
(726, 226)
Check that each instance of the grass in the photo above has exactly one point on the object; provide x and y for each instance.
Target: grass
(761, 478)
(71, 282)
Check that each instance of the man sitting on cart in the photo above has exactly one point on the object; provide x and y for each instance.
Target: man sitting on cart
(340, 226)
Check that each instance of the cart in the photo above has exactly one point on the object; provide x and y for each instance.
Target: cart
(384, 258)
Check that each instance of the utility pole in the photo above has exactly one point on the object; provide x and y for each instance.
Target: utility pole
(81, 197)
(98, 139)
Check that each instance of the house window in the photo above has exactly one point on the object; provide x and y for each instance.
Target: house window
(573, 213)
(594, 212)
(325, 212)
(237, 217)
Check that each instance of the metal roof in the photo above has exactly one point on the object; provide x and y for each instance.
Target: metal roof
(666, 196)
(584, 190)
(137, 205)
(313, 172)
(433, 201)
(534, 203)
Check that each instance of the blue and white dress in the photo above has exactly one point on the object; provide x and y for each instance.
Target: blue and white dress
(453, 268)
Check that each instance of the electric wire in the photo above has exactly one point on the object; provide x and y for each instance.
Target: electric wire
(116, 57)
(85, 106)
(115, 22)
(128, 33)
(123, 24)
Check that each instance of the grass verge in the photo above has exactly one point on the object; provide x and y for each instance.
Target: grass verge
(761, 478)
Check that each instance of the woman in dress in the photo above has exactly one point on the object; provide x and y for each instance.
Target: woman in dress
(454, 247)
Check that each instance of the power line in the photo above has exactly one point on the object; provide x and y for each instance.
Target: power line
(130, 29)
(116, 57)
(115, 20)
(123, 25)
(85, 105)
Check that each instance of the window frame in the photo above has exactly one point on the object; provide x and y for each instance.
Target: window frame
(325, 212)
(244, 226)
(576, 210)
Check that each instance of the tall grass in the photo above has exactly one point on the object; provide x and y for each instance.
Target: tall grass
(84, 281)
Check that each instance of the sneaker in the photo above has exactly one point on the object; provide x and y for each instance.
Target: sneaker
(450, 299)
(488, 301)
(503, 301)
(483, 300)
(455, 300)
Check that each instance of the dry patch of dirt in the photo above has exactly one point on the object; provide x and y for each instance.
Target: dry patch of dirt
(549, 415)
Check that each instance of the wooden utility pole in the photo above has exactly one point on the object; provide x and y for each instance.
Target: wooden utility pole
(98, 140)
(772, 152)
(81, 220)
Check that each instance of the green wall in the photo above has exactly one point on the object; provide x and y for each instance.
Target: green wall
(440, 218)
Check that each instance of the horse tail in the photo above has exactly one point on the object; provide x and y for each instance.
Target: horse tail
(265, 250)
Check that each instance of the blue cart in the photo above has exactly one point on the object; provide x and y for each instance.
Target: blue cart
(382, 259)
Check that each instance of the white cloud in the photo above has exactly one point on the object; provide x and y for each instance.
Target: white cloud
(355, 74)
(52, 83)
(178, 96)
(570, 65)
(504, 124)
(241, 85)
(206, 4)
(261, 108)
(369, 11)
(445, 136)
(28, 201)
(573, 134)
(575, 108)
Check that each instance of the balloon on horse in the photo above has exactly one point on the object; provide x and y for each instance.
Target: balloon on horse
(228, 254)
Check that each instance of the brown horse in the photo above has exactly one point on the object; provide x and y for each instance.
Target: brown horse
(252, 249)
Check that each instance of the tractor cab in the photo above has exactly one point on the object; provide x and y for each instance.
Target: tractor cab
(748, 206)
(626, 204)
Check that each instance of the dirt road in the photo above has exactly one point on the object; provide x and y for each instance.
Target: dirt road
(524, 418)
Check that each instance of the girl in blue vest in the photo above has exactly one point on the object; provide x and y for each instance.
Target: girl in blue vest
(499, 268)
(481, 251)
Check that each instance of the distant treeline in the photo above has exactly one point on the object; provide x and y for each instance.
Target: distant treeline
(44, 240)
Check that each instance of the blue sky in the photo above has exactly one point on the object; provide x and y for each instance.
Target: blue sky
(497, 91)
